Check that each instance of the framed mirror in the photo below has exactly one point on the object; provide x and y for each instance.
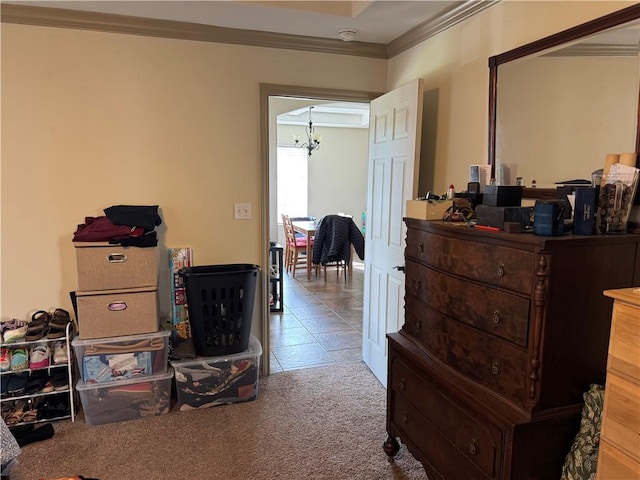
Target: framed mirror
(559, 105)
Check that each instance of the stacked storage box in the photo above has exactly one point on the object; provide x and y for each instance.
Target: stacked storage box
(121, 354)
(211, 381)
(220, 299)
(117, 290)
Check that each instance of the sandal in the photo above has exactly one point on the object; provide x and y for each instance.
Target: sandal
(35, 332)
(30, 413)
(58, 324)
(38, 327)
(17, 413)
(60, 318)
(41, 317)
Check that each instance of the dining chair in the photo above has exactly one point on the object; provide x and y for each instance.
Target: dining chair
(301, 219)
(295, 248)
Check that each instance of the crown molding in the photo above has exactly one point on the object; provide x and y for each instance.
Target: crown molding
(125, 24)
(112, 23)
(455, 14)
(596, 50)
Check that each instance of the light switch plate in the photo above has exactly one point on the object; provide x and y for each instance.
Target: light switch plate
(242, 211)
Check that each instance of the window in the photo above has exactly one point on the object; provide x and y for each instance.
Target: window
(292, 182)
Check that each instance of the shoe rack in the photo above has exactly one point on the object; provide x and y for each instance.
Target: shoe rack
(40, 406)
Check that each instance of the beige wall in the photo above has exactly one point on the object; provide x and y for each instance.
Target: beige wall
(454, 64)
(337, 172)
(91, 120)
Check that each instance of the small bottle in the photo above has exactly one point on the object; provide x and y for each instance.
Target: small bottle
(534, 184)
(451, 192)
(520, 181)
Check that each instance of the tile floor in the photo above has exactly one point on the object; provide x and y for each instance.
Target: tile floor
(321, 323)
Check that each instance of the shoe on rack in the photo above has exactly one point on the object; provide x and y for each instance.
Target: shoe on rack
(60, 353)
(4, 386)
(39, 357)
(47, 385)
(17, 384)
(16, 415)
(60, 380)
(38, 327)
(19, 359)
(30, 412)
(5, 359)
(36, 382)
(58, 324)
(13, 330)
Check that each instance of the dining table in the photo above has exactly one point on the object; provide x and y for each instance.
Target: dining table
(307, 228)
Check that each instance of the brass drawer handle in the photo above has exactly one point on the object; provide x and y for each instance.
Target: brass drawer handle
(500, 270)
(403, 385)
(418, 324)
(495, 368)
(417, 284)
(405, 418)
(421, 247)
(473, 446)
(496, 317)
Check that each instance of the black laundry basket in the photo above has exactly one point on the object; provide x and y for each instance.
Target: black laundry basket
(220, 302)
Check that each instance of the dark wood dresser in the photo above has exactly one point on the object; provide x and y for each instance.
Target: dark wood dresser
(503, 334)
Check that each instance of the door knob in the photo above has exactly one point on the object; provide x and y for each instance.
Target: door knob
(400, 268)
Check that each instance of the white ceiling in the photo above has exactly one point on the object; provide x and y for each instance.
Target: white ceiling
(329, 114)
(375, 21)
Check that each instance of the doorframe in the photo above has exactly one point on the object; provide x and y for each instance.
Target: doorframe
(293, 91)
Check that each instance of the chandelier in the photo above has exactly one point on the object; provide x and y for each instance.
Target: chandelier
(313, 139)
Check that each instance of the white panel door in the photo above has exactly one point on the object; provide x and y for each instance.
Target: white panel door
(394, 149)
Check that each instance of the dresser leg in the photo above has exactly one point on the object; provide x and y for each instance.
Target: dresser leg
(391, 447)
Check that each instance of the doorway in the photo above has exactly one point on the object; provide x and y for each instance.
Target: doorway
(268, 142)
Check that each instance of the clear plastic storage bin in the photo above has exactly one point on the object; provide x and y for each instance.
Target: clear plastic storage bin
(125, 399)
(116, 358)
(211, 381)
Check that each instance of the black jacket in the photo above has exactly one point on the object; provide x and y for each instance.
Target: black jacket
(334, 238)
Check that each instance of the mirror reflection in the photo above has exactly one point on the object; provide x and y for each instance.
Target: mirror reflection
(559, 112)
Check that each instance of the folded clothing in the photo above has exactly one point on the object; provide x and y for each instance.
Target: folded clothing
(114, 366)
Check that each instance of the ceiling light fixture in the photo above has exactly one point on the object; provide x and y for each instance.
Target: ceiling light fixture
(347, 34)
(313, 139)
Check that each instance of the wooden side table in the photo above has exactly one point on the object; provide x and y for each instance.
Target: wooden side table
(276, 270)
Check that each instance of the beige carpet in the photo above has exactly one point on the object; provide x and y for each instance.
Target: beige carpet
(322, 423)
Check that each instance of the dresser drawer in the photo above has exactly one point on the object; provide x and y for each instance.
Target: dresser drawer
(614, 465)
(490, 310)
(440, 417)
(443, 455)
(621, 420)
(501, 266)
(426, 326)
(492, 362)
(624, 347)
